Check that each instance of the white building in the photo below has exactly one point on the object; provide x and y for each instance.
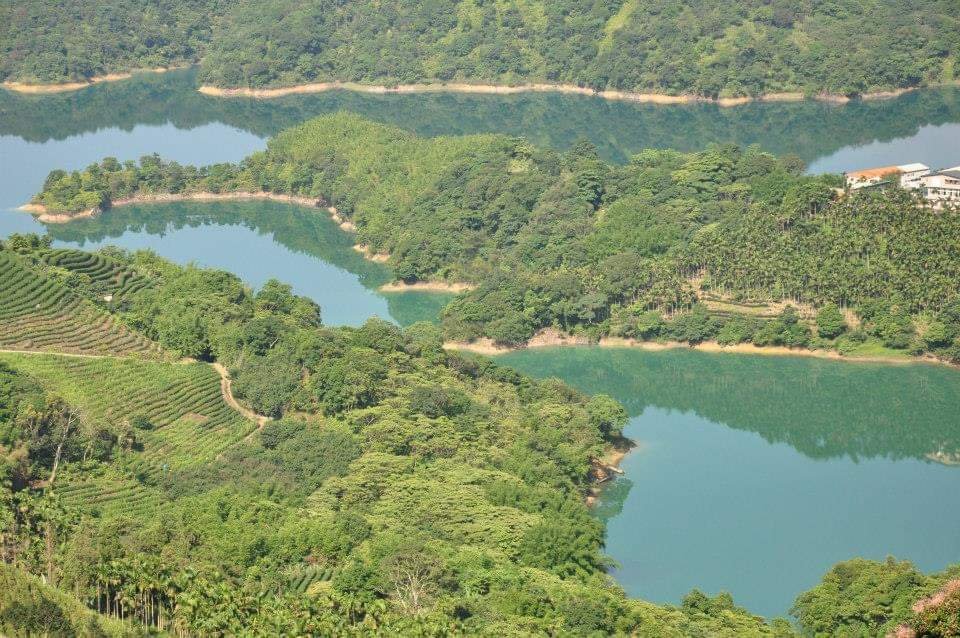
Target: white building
(941, 186)
(908, 176)
(912, 174)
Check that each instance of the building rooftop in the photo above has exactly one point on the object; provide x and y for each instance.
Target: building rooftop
(868, 173)
(910, 168)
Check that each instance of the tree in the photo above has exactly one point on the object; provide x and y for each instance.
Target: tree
(830, 321)
(413, 576)
(606, 415)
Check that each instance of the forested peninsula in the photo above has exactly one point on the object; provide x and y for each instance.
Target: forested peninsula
(387, 487)
(390, 487)
(728, 245)
(714, 49)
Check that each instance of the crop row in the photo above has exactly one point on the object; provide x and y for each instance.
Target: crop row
(38, 313)
(110, 497)
(301, 582)
(113, 276)
(189, 422)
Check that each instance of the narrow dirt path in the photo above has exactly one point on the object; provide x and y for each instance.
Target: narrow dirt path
(227, 391)
(225, 383)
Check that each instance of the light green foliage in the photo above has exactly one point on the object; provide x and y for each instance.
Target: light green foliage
(101, 274)
(30, 608)
(42, 313)
(941, 618)
(190, 422)
(865, 598)
(830, 321)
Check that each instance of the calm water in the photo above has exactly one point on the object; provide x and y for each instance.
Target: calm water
(921, 125)
(752, 474)
(755, 474)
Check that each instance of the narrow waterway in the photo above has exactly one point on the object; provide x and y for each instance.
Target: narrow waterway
(752, 474)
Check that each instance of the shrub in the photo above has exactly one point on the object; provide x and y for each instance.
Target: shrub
(830, 322)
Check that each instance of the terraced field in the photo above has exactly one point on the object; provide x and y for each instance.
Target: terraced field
(301, 580)
(110, 495)
(38, 313)
(108, 276)
(189, 421)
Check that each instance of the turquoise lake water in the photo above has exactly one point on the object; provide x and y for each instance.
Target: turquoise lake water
(752, 474)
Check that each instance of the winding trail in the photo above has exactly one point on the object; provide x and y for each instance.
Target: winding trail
(226, 389)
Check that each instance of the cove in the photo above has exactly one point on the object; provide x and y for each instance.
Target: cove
(257, 241)
(755, 474)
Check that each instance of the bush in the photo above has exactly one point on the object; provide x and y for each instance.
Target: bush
(861, 598)
(736, 330)
(269, 383)
(513, 329)
(941, 619)
(830, 322)
(434, 401)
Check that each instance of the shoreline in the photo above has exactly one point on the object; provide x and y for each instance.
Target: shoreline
(427, 286)
(27, 88)
(607, 468)
(43, 215)
(553, 339)
(368, 253)
(499, 89)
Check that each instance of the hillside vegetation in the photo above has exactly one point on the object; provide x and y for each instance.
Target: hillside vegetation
(728, 244)
(43, 313)
(876, 598)
(166, 418)
(715, 48)
(400, 489)
(28, 607)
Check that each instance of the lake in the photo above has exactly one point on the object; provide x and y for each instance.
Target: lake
(752, 474)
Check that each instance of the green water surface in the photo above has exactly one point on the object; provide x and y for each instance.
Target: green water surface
(755, 474)
(751, 474)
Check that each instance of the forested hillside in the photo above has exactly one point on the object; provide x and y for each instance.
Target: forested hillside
(882, 598)
(399, 489)
(28, 607)
(44, 41)
(728, 244)
(717, 48)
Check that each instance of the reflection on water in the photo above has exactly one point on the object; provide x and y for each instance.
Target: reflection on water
(809, 129)
(755, 474)
(259, 241)
(823, 409)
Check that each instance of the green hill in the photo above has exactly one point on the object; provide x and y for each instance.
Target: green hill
(44, 313)
(726, 244)
(28, 607)
(400, 489)
(714, 48)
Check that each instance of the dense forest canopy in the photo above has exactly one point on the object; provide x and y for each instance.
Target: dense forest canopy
(714, 48)
(729, 244)
(399, 488)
